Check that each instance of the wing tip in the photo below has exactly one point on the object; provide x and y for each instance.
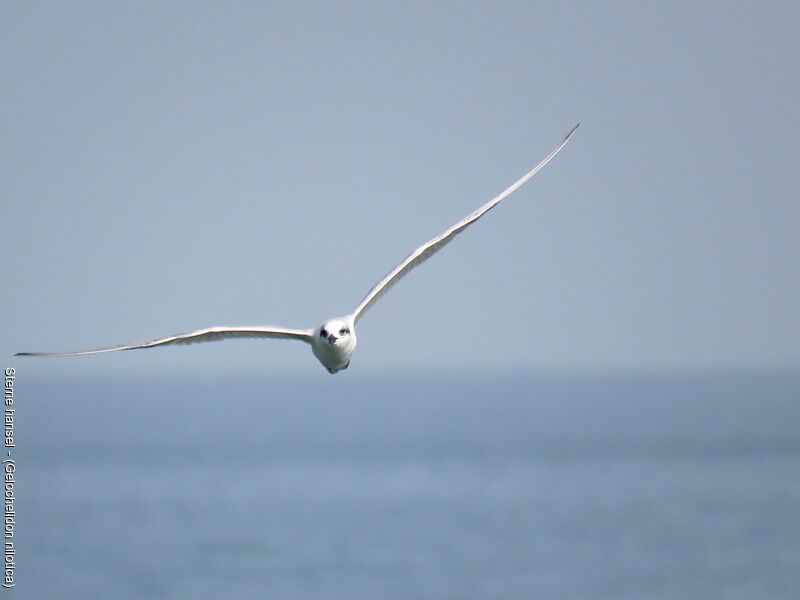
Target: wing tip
(571, 131)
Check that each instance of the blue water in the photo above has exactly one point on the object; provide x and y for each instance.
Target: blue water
(513, 486)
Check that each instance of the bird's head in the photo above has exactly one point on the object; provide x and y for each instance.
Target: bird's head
(336, 331)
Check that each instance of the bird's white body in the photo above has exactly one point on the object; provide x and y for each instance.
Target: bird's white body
(334, 341)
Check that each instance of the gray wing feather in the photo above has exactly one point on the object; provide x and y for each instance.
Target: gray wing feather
(430, 247)
(211, 334)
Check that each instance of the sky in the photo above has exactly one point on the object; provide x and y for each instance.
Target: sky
(172, 166)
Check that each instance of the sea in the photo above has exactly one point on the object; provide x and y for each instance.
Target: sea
(454, 485)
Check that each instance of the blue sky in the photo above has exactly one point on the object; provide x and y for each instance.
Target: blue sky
(171, 166)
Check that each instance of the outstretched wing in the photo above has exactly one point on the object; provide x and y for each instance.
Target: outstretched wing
(212, 334)
(430, 247)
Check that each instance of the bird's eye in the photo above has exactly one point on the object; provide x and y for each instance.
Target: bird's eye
(323, 333)
(344, 330)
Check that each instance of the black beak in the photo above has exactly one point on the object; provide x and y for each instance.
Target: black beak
(332, 338)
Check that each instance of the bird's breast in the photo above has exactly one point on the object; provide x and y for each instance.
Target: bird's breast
(334, 356)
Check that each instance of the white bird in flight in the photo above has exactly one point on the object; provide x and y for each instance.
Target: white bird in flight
(334, 341)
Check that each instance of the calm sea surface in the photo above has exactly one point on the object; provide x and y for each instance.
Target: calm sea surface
(507, 487)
